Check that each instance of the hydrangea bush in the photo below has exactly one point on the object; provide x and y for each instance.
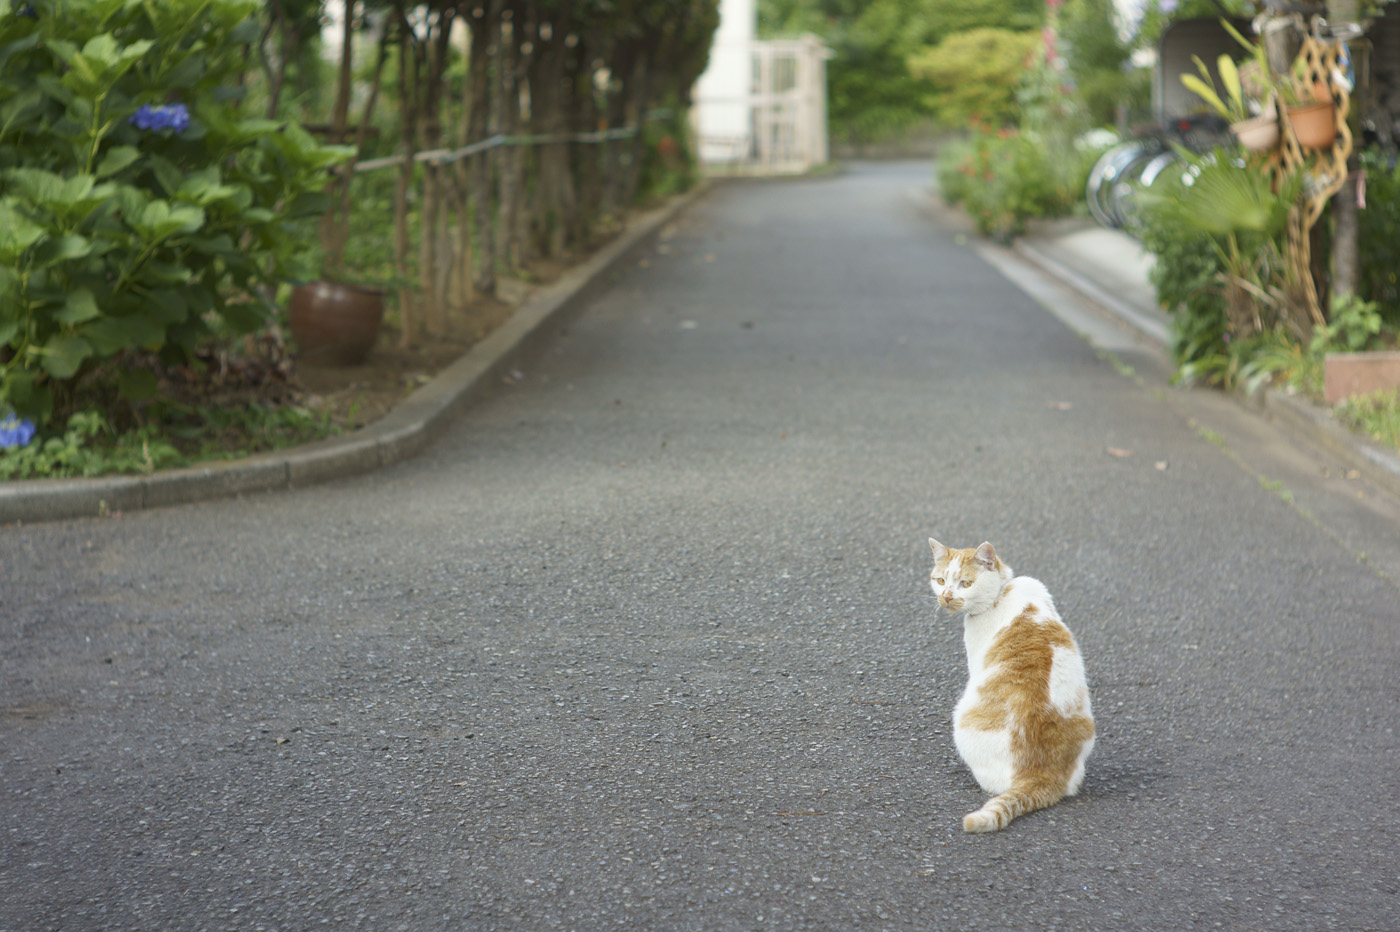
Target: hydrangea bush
(141, 209)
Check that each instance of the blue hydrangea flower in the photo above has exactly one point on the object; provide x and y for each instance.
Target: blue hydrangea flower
(174, 117)
(15, 431)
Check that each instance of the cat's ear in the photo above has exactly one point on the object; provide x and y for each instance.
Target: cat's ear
(986, 556)
(939, 551)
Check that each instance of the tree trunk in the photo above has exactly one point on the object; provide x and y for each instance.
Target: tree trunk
(276, 74)
(462, 272)
(1346, 232)
(508, 62)
(478, 122)
(616, 151)
(344, 76)
(335, 230)
(431, 262)
(636, 150)
(408, 135)
(554, 204)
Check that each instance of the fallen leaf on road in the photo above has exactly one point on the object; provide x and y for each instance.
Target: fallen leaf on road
(1059, 405)
(1161, 465)
(1115, 451)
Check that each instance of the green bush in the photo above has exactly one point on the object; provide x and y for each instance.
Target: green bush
(140, 209)
(1379, 237)
(975, 74)
(1005, 177)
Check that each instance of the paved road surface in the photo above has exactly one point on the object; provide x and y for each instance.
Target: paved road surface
(644, 644)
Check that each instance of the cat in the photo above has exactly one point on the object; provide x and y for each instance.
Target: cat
(1023, 725)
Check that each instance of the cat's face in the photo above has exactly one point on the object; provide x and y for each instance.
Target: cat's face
(966, 580)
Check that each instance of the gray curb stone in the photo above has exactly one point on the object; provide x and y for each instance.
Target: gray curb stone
(1304, 418)
(405, 431)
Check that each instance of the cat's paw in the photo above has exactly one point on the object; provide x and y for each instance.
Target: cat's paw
(981, 821)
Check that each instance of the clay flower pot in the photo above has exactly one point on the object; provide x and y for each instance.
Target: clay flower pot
(1348, 374)
(1314, 124)
(334, 323)
(1257, 134)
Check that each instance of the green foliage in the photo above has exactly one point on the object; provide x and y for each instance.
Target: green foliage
(1379, 237)
(1232, 106)
(1353, 325)
(668, 166)
(177, 435)
(1377, 415)
(1097, 60)
(78, 451)
(872, 92)
(1155, 21)
(976, 73)
(122, 227)
(1005, 177)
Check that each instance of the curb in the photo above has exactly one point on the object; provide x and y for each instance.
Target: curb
(1303, 418)
(406, 430)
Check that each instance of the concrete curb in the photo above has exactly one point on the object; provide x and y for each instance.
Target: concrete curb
(1303, 418)
(405, 431)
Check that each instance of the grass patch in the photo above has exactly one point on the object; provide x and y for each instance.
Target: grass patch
(1376, 415)
(89, 446)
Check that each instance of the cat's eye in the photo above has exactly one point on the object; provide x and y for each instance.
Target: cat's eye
(965, 583)
(938, 579)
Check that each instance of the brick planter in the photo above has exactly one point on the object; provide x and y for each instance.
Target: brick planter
(1347, 374)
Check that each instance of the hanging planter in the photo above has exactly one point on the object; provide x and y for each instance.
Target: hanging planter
(1258, 134)
(334, 323)
(1314, 123)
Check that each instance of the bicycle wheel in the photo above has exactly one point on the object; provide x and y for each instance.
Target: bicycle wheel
(1120, 190)
(1103, 176)
(1137, 178)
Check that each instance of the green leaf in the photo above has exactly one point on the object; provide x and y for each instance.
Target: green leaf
(1230, 77)
(117, 159)
(101, 50)
(80, 307)
(63, 249)
(167, 305)
(64, 354)
(15, 105)
(187, 73)
(17, 232)
(158, 220)
(1204, 91)
(111, 335)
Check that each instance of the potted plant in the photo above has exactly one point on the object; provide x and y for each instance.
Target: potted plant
(335, 319)
(1256, 131)
(1311, 111)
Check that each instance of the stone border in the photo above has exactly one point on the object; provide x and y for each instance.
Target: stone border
(406, 430)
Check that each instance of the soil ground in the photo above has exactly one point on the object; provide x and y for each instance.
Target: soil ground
(358, 395)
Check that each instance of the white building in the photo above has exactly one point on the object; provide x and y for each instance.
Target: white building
(760, 106)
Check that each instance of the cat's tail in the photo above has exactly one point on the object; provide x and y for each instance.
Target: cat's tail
(1027, 794)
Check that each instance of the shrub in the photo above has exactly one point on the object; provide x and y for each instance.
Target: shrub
(976, 73)
(1003, 178)
(1379, 237)
(139, 208)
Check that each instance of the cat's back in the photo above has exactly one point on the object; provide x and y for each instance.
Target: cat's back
(1027, 640)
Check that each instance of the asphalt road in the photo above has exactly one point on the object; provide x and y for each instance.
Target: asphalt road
(645, 642)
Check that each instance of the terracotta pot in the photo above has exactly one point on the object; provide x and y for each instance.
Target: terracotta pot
(1257, 134)
(335, 324)
(1348, 374)
(1314, 124)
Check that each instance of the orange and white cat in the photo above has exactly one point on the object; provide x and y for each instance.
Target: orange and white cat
(1023, 725)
